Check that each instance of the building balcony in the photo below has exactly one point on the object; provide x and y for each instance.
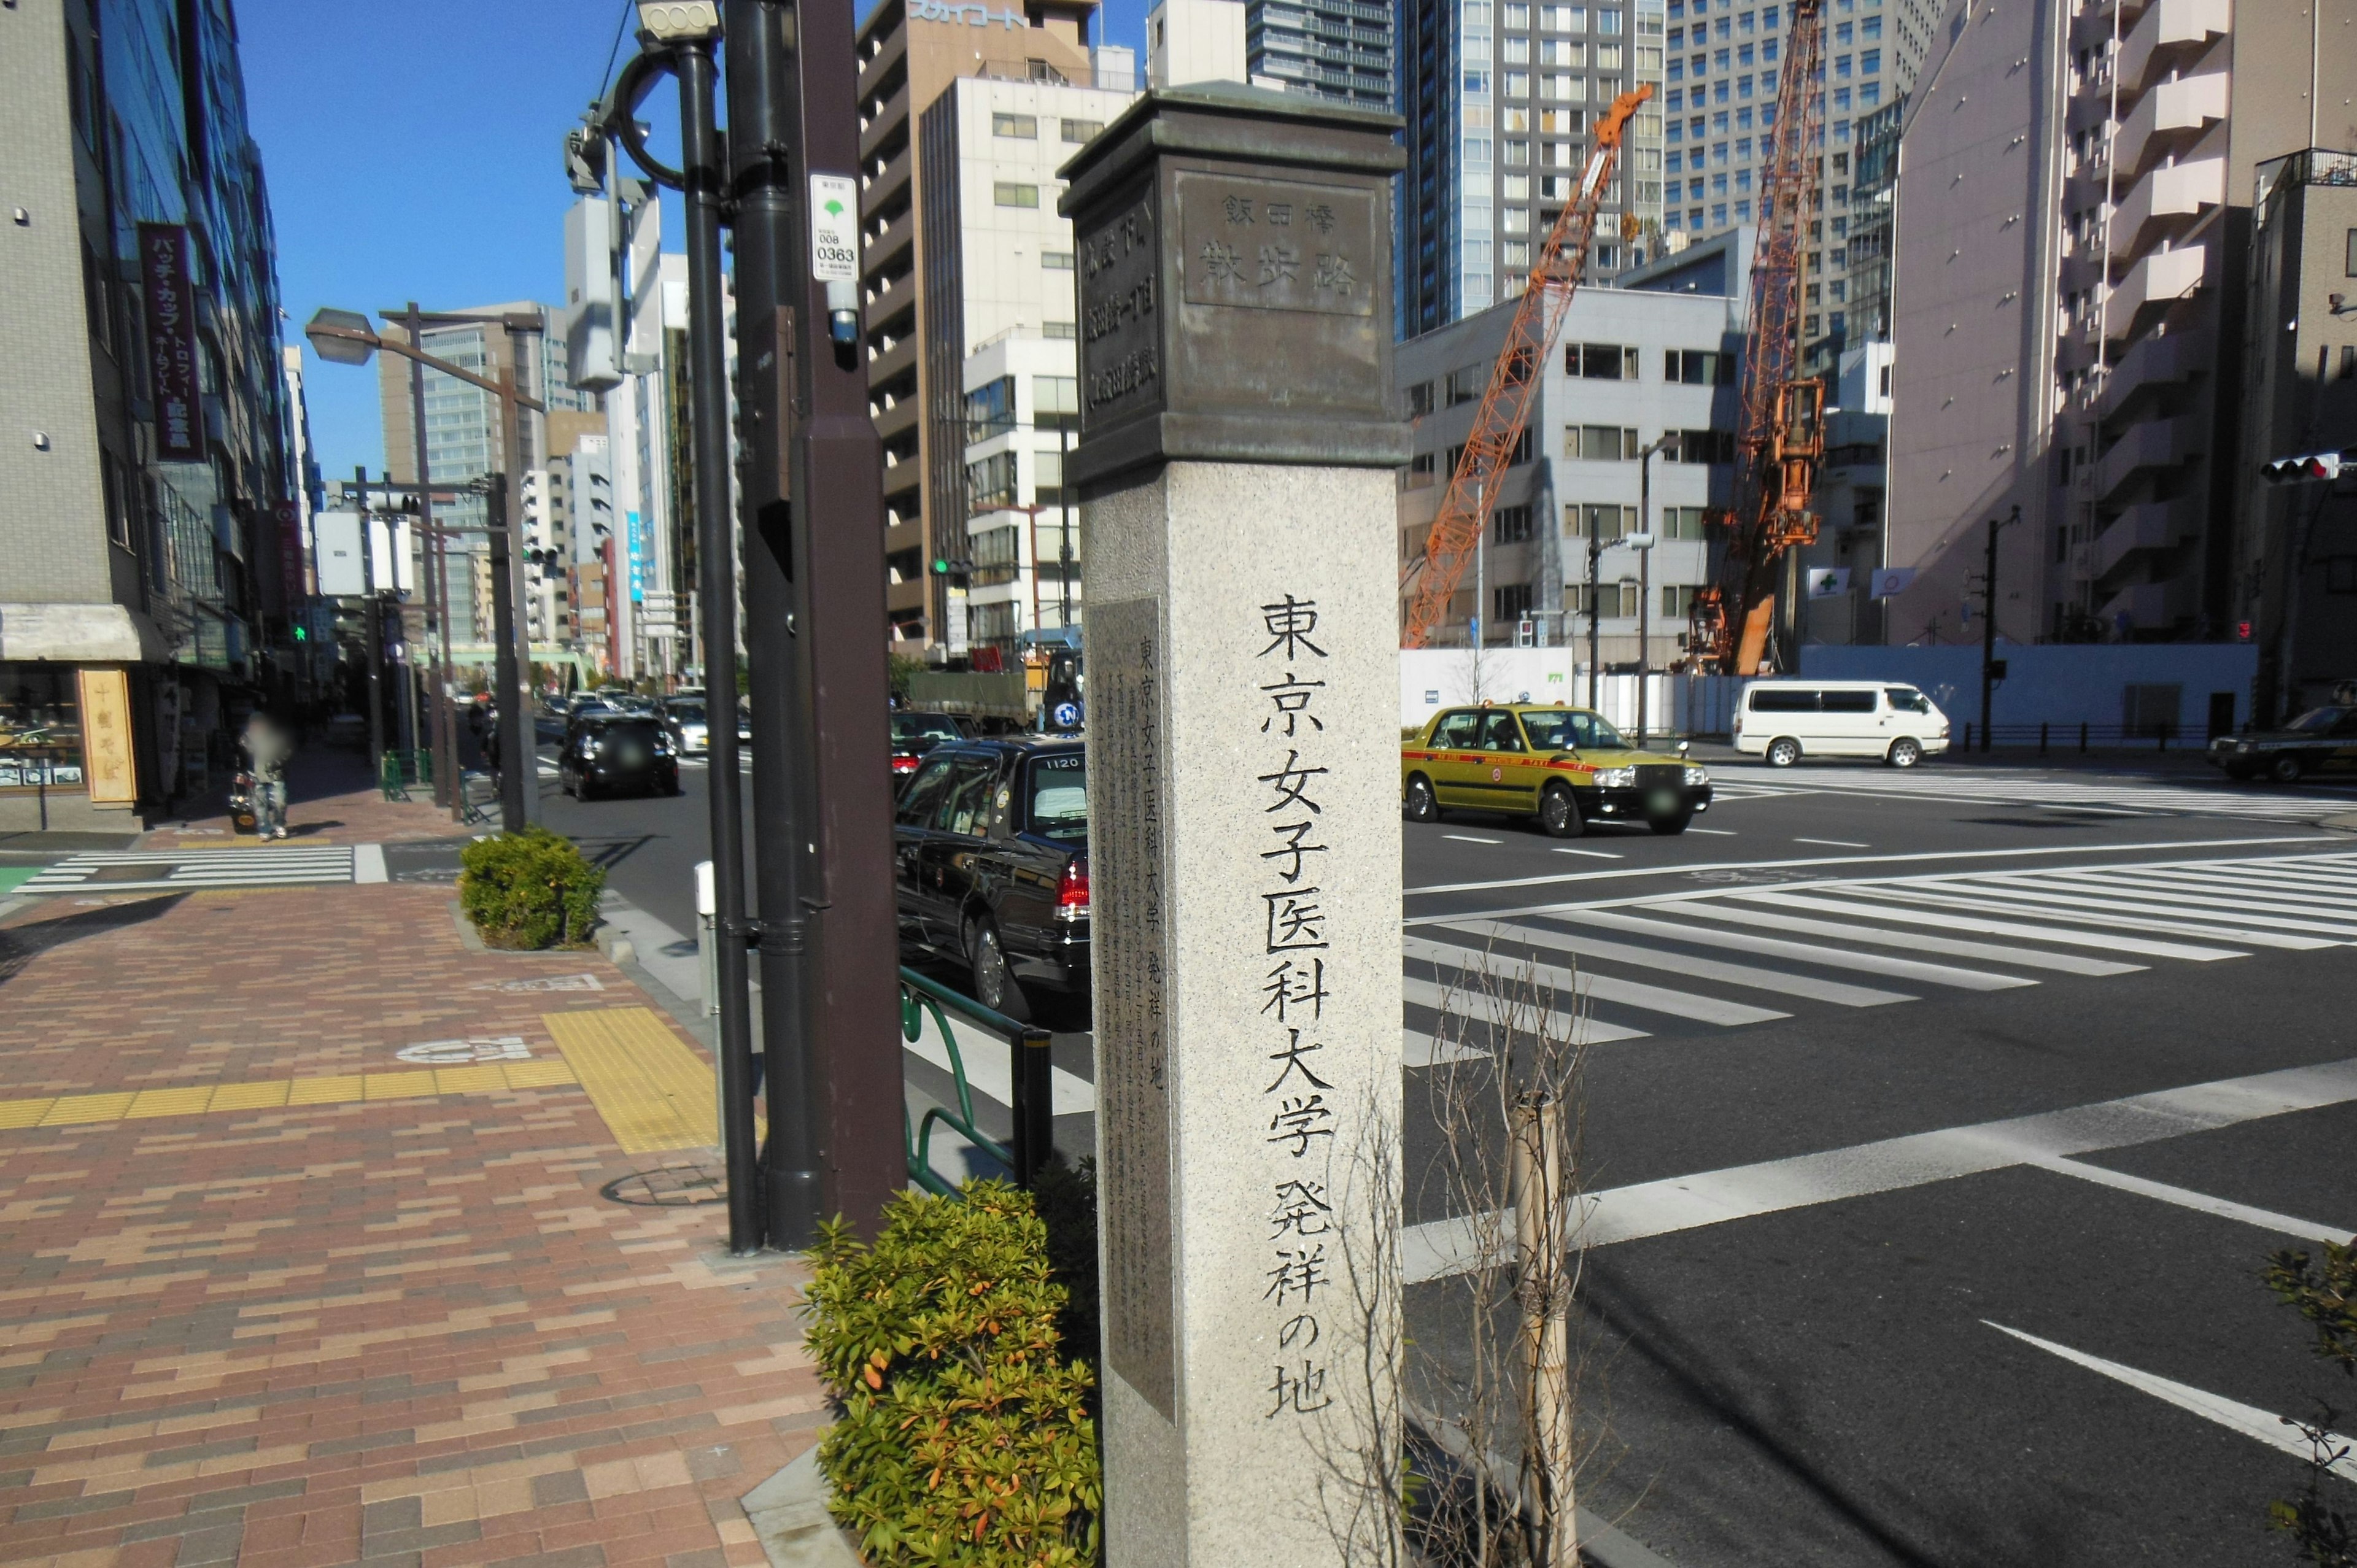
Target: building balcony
(883, 251)
(2153, 366)
(2150, 606)
(877, 185)
(2170, 33)
(2168, 119)
(2141, 532)
(2151, 447)
(894, 50)
(897, 360)
(904, 598)
(2159, 280)
(2166, 202)
(882, 125)
(896, 419)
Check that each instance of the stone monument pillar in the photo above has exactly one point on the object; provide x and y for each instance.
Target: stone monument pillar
(1236, 470)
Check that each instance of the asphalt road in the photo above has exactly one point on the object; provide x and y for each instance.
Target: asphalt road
(1882, 1271)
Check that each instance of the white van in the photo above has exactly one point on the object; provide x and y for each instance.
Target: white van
(1787, 720)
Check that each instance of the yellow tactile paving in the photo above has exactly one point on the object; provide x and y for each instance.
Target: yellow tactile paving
(654, 1093)
(337, 1089)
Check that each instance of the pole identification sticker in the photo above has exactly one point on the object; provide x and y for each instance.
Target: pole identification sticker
(834, 229)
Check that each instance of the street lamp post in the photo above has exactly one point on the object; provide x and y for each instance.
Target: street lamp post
(345, 337)
(1643, 543)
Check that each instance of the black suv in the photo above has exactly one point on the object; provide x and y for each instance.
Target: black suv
(617, 751)
(991, 866)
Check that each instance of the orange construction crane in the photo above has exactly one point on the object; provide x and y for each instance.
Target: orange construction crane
(1782, 436)
(1505, 411)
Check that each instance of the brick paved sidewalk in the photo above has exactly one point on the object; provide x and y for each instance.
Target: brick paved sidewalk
(331, 800)
(274, 1294)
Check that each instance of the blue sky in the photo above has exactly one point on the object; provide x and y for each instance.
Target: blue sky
(414, 151)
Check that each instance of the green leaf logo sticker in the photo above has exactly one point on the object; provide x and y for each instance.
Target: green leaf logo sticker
(835, 210)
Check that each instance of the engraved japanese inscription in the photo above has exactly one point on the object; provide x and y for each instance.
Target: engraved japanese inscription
(1120, 335)
(1277, 245)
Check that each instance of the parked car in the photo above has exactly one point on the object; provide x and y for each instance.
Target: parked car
(1565, 766)
(2321, 740)
(620, 751)
(684, 716)
(1786, 720)
(991, 866)
(915, 733)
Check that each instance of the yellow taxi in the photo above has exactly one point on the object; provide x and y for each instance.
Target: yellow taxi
(1566, 766)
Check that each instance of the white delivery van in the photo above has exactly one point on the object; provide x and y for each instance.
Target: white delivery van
(1787, 720)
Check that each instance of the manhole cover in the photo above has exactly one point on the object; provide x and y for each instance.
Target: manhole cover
(674, 1187)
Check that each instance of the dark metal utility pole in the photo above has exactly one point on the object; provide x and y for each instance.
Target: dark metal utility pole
(1595, 603)
(450, 784)
(814, 633)
(1988, 622)
(372, 627)
(519, 761)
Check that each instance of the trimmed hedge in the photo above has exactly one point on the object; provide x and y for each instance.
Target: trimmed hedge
(530, 890)
(964, 1436)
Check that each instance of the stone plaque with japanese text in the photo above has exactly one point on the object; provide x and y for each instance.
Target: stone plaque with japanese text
(1270, 245)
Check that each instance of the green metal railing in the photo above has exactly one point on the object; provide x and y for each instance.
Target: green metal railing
(1032, 1077)
(401, 768)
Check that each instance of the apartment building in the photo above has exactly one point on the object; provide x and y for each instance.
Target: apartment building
(2294, 572)
(1023, 527)
(2070, 303)
(1499, 98)
(1635, 365)
(1725, 57)
(149, 569)
(908, 52)
(1335, 50)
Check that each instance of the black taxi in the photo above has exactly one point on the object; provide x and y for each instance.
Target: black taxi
(2321, 740)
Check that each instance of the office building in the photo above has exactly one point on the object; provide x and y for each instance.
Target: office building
(145, 574)
(1188, 41)
(1719, 107)
(1023, 527)
(1335, 50)
(2294, 568)
(1499, 101)
(2069, 305)
(1636, 364)
(908, 56)
(465, 439)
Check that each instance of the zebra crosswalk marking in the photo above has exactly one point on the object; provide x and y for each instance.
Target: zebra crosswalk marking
(1781, 980)
(2133, 914)
(2032, 906)
(2301, 916)
(1914, 941)
(182, 870)
(1468, 1002)
(1807, 952)
(1636, 994)
(1991, 928)
(2269, 895)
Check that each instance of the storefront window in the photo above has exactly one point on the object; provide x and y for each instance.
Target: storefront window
(40, 727)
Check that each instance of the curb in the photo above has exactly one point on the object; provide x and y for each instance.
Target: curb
(789, 1518)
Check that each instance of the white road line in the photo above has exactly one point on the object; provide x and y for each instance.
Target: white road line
(1439, 1248)
(1474, 1006)
(1947, 922)
(1807, 952)
(1420, 1050)
(1835, 843)
(2200, 1202)
(1782, 981)
(368, 862)
(1715, 833)
(2066, 887)
(2234, 893)
(2032, 851)
(1593, 854)
(2339, 888)
(2092, 912)
(1914, 941)
(1599, 987)
(2263, 1426)
(1468, 838)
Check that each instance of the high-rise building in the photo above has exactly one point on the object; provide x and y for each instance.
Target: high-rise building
(145, 574)
(908, 52)
(999, 266)
(1499, 101)
(466, 438)
(2294, 568)
(1188, 41)
(1725, 58)
(2070, 304)
(1335, 50)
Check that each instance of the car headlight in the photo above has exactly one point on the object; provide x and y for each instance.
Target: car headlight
(1697, 777)
(1616, 778)
(2242, 746)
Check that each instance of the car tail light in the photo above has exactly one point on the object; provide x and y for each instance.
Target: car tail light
(901, 764)
(1073, 892)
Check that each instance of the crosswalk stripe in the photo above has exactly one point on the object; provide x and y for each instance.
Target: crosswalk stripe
(1807, 952)
(2065, 963)
(2221, 897)
(1468, 1003)
(2185, 920)
(1781, 980)
(2313, 898)
(1604, 987)
(1959, 922)
(1991, 903)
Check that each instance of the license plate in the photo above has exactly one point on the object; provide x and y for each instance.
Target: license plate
(1661, 802)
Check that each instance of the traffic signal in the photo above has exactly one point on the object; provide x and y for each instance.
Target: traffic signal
(959, 572)
(2306, 467)
(302, 632)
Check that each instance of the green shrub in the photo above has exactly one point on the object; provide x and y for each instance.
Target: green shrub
(965, 1437)
(528, 890)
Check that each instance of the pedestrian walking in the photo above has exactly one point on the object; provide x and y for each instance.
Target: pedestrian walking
(267, 748)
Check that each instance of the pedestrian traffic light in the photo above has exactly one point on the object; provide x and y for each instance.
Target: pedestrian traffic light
(302, 633)
(2306, 467)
